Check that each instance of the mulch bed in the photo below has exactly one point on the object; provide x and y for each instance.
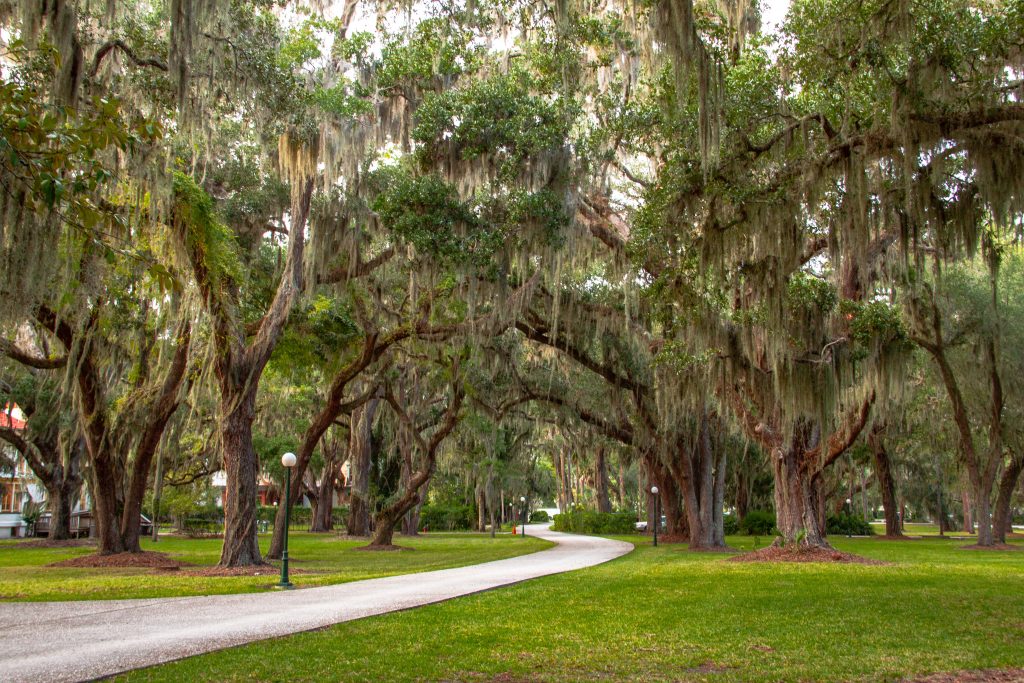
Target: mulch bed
(780, 554)
(982, 676)
(150, 560)
(997, 546)
(672, 538)
(382, 548)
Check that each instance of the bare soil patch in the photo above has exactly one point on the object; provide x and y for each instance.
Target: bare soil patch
(981, 676)
(779, 554)
(146, 560)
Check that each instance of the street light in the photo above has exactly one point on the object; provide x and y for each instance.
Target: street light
(288, 460)
(522, 499)
(657, 515)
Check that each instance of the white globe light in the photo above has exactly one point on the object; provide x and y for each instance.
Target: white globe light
(522, 499)
(654, 490)
(288, 460)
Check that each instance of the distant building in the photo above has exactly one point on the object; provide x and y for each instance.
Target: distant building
(18, 484)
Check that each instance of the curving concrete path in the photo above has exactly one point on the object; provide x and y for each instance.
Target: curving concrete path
(75, 641)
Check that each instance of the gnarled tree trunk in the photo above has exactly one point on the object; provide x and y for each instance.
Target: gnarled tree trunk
(797, 491)
(886, 483)
(241, 546)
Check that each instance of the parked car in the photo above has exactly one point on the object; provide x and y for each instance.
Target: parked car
(642, 526)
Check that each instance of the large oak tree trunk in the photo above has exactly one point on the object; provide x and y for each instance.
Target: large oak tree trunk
(241, 546)
(886, 483)
(700, 475)
(1002, 522)
(797, 493)
(107, 507)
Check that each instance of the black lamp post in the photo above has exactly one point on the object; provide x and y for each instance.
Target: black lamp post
(522, 499)
(288, 460)
(657, 515)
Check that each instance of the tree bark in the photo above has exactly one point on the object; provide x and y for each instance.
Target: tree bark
(797, 492)
(742, 502)
(1002, 522)
(621, 488)
(241, 545)
(886, 484)
(965, 500)
(604, 504)
(323, 518)
(360, 452)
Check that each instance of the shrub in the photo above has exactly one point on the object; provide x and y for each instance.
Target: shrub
(589, 522)
(201, 521)
(441, 517)
(540, 516)
(758, 523)
(845, 524)
(731, 525)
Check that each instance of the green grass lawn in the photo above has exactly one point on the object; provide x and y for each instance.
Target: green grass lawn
(667, 614)
(327, 558)
(921, 529)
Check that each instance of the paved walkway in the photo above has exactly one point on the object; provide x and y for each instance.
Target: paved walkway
(74, 641)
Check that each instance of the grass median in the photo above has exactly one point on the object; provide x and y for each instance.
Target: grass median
(667, 614)
(316, 560)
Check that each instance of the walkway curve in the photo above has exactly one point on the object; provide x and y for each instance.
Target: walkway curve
(84, 640)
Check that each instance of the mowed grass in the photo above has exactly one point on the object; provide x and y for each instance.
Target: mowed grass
(922, 529)
(316, 560)
(667, 614)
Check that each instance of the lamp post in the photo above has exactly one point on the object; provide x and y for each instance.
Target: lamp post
(657, 515)
(288, 460)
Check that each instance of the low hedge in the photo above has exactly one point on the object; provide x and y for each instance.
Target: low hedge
(446, 517)
(758, 523)
(589, 522)
(845, 524)
(539, 517)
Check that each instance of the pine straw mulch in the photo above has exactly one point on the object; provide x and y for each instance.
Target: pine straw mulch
(145, 560)
(781, 554)
(980, 676)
